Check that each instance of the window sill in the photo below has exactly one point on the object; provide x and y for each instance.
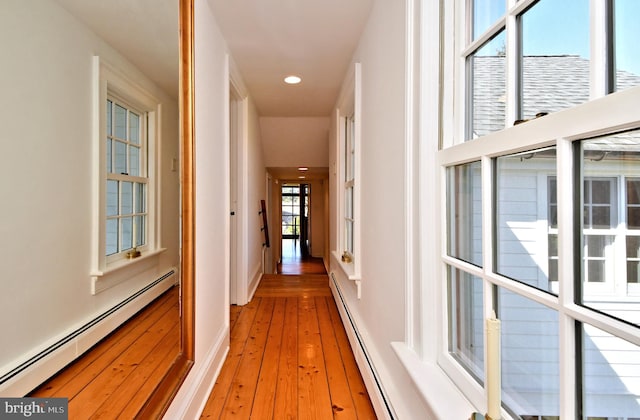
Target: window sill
(438, 391)
(349, 270)
(122, 270)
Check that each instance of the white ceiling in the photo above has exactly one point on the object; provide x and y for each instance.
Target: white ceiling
(268, 40)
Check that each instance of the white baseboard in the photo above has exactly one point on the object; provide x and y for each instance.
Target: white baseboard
(194, 392)
(253, 284)
(372, 382)
(22, 376)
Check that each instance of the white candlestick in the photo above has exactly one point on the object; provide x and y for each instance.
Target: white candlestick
(493, 383)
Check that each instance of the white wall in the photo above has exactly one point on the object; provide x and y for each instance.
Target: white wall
(380, 313)
(256, 191)
(46, 181)
(295, 141)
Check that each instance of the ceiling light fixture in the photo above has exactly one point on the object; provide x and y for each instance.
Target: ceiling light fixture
(292, 80)
(303, 168)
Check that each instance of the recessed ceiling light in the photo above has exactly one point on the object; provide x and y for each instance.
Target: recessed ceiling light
(302, 177)
(303, 168)
(292, 80)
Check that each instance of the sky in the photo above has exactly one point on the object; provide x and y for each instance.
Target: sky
(559, 27)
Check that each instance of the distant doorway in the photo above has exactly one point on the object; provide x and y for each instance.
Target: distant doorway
(295, 228)
(295, 220)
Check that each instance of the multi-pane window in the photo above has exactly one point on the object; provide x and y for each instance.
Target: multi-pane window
(531, 60)
(543, 226)
(126, 177)
(349, 183)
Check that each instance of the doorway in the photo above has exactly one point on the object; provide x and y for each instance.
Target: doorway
(295, 255)
(295, 221)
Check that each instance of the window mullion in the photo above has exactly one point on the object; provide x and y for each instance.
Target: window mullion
(513, 70)
(602, 67)
(566, 275)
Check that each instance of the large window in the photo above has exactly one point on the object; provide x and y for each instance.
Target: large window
(126, 170)
(349, 183)
(126, 181)
(347, 176)
(542, 207)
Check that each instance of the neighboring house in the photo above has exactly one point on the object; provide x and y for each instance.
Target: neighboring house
(526, 240)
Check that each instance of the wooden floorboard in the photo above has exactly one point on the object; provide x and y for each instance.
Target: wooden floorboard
(289, 357)
(115, 378)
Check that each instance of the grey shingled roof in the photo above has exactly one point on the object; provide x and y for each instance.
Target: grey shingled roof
(550, 83)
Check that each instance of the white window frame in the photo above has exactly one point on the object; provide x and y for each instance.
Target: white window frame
(601, 115)
(348, 115)
(349, 184)
(141, 178)
(107, 271)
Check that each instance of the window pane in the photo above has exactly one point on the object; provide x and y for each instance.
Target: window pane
(552, 196)
(112, 198)
(633, 259)
(120, 122)
(487, 71)
(141, 203)
(610, 168)
(553, 258)
(466, 339)
(349, 236)
(120, 158)
(109, 117)
(112, 236)
(599, 202)
(126, 225)
(627, 33)
(109, 156)
(348, 207)
(530, 361)
(611, 376)
(464, 212)
(134, 161)
(134, 128)
(633, 191)
(140, 230)
(555, 64)
(633, 203)
(485, 14)
(525, 238)
(127, 198)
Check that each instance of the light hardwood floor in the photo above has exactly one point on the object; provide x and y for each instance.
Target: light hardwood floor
(289, 358)
(115, 378)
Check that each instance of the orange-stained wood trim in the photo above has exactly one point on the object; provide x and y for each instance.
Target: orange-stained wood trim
(187, 146)
(162, 396)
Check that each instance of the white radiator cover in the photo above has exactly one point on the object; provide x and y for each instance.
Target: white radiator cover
(378, 397)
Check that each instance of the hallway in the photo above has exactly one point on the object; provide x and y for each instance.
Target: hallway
(289, 357)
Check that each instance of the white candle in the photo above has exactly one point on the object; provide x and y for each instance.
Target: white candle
(493, 383)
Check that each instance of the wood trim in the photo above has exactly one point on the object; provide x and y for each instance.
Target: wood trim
(187, 125)
(166, 390)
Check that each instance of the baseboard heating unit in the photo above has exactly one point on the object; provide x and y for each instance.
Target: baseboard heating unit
(371, 376)
(39, 367)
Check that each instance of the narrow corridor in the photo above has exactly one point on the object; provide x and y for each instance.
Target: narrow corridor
(290, 357)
